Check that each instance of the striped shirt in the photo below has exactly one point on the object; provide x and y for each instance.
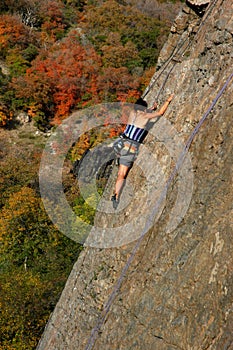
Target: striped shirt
(135, 133)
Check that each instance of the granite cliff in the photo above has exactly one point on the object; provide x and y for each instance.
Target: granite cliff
(178, 290)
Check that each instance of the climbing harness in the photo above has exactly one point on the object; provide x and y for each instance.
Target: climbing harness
(125, 147)
(118, 145)
(150, 221)
(129, 147)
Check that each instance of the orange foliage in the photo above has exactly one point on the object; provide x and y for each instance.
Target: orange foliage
(53, 20)
(116, 130)
(119, 83)
(5, 115)
(12, 31)
(115, 54)
(33, 109)
(64, 77)
(69, 74)
(22, 204)
(146, 78)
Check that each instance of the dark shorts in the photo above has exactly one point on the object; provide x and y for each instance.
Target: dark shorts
(126, 150)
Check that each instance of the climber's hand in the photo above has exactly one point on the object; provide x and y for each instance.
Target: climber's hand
(170, 98)
(155, 106)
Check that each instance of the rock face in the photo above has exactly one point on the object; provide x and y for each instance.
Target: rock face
(178, 290)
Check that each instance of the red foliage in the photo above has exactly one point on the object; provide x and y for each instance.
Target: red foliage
(52, 13)
(12, 32)
(65, 77)
(119, 83)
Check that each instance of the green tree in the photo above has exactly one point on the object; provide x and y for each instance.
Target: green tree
(35, 260)
(128, 25)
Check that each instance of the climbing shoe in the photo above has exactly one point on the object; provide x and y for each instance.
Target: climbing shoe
(115, 201)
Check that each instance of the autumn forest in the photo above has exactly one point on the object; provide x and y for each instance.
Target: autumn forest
(56, 57)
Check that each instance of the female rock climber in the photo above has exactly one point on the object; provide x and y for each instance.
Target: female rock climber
(127, 145)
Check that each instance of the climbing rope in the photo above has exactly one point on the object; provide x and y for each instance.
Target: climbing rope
(150, 221)
(179, 163)
(173, 54)
(177, 54)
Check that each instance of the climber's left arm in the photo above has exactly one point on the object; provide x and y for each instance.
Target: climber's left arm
(161, 111)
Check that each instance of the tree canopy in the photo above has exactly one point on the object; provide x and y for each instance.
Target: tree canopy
(61, 58)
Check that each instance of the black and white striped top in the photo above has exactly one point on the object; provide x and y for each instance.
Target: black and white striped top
(135, 133)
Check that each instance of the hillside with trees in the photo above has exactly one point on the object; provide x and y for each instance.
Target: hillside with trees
(50, 46)
(56, 57)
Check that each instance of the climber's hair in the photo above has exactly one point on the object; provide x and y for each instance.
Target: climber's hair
(140, 104)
